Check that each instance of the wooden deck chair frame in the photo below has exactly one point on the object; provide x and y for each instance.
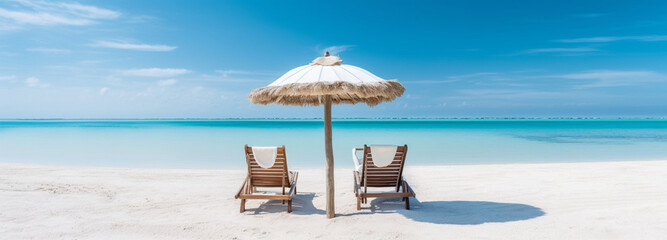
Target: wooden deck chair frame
(276, 176)
(389, 176)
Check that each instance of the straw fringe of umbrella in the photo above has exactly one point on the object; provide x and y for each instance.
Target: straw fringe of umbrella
(310, 94)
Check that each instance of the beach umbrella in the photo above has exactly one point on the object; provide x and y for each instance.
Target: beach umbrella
(327, 81)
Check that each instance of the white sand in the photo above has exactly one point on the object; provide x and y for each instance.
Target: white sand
(614, 200)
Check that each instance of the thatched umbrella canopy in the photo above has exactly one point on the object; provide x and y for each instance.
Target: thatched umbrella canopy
(327, 81)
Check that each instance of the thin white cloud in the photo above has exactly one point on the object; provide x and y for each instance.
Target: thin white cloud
(45, 19)
(506, 79)
(612, 78)
(103, 91)
(156, 72)
(590, 15)
(35, 83)
(139, 19)
(4, 26)
(646, 38)
(510, 93)
(600, 74)
(45, 13)
(227, 73)
(457, 78)
(473, 75)
(133, 46)
(88, 11)
(7, 78)
(48, 50)
(88, 62)
(167, 82)
(429, 81)
(560, 50)
(335, 50)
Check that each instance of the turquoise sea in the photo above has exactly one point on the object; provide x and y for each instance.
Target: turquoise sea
(219, 143)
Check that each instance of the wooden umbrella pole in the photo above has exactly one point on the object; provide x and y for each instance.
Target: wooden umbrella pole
(330, 159)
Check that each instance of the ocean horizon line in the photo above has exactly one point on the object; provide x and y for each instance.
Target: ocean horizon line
(347, 118)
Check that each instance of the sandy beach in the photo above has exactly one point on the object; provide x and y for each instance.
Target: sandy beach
(163, 120)
(597, 200)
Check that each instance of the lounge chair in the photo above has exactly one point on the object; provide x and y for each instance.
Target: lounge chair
(267, 173)
(386, 172)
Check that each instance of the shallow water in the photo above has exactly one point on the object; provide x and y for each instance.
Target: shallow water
(219, 143)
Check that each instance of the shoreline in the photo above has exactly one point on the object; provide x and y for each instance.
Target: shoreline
(313, 167)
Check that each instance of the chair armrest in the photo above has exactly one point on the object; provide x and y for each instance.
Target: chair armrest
(408, 189)
(357, 181)
(243, 187)
(295, 176)
(355, 159)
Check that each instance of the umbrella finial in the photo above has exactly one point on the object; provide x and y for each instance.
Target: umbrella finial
(327, 60)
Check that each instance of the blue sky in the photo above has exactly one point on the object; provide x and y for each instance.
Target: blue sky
(172, 59)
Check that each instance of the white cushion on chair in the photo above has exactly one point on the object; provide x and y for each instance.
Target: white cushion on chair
(265, 156)
(383, 155)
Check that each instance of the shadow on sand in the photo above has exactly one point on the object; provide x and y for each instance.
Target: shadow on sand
(456, 212)
(439, 212)
(302, 204)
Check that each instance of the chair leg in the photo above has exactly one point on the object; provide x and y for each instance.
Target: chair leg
(407, 203)
(405, 198)
(289, 206)
(358, 203)
(242, 205)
